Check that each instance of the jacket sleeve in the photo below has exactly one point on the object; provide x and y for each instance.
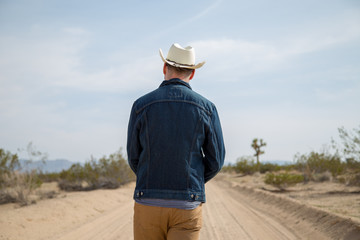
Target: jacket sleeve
(213, 148)
(133, 143)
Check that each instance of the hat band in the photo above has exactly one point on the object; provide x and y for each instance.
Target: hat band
(180, 64)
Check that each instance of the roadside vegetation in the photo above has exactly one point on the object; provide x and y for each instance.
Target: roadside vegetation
(107, 173)
(19, 184)
(341, 164)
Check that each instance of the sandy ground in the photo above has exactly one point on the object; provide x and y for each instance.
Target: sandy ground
(236, 208)
(329, 196)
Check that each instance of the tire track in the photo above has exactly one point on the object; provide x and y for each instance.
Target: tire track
(231, 217)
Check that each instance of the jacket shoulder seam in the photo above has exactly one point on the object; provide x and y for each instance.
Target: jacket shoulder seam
(171, 100)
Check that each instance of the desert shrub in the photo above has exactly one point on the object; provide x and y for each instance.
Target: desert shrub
(67, 185)
(8, 162)
(245, 165)
(49, 177)
(350, 143)
(315, 163)
(352, 165)
(109, 172)
(289, 167)
(322, 177)
(269, 167)
(350, 178)
(341, 179)
(354, 180)
(283, 180)
(16, 186)
(19, 187)
(71, 179)
(229, 168)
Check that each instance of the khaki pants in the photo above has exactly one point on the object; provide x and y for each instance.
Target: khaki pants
(158, 223)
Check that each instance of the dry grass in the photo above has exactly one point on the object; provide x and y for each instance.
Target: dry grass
(20, 188)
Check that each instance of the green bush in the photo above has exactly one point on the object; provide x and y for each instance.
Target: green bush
(229, 168)
(49, 177)
(352, 164)
(269, 167)
(245, 165)
(322, 177)
(19, 187)
(350, 178)
(315, 163)
(354, 180)
(16, 186)
(8, 163)
(109, 172)
(283, 180)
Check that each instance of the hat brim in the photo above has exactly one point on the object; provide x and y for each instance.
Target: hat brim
(174, 64)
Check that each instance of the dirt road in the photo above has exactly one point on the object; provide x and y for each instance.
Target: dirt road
(232, 211)
(232, 214)
(228, 214)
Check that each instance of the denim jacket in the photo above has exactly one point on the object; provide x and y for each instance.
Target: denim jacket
(175, 143)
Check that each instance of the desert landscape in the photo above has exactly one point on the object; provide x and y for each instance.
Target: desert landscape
(237, 207)
(266, 91)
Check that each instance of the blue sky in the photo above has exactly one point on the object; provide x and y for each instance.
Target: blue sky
(284, 71)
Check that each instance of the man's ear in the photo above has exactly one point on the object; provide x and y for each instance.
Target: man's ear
(192, 74)
(164, 69)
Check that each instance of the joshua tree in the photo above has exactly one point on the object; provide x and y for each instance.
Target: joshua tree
(257, 147)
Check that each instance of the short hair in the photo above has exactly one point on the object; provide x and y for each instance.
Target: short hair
(181, 71)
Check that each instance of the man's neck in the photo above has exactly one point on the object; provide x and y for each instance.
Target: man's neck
(181, 78)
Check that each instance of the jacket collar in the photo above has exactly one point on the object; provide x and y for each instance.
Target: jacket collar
(175, 81)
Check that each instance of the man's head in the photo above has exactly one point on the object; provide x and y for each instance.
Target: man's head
(180, 63)
(184, 74)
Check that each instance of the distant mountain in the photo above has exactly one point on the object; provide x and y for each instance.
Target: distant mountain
(49, 166)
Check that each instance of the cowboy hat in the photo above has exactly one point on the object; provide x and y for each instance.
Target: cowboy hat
(181, 57)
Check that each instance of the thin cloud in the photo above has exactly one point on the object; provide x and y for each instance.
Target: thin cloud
(202, 13)
(185, 22)
(253, 57)
(324, 34)
(58, 61)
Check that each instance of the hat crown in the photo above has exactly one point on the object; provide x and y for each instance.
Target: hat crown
(180, 55)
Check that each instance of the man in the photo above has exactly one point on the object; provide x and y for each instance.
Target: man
(175, 145)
